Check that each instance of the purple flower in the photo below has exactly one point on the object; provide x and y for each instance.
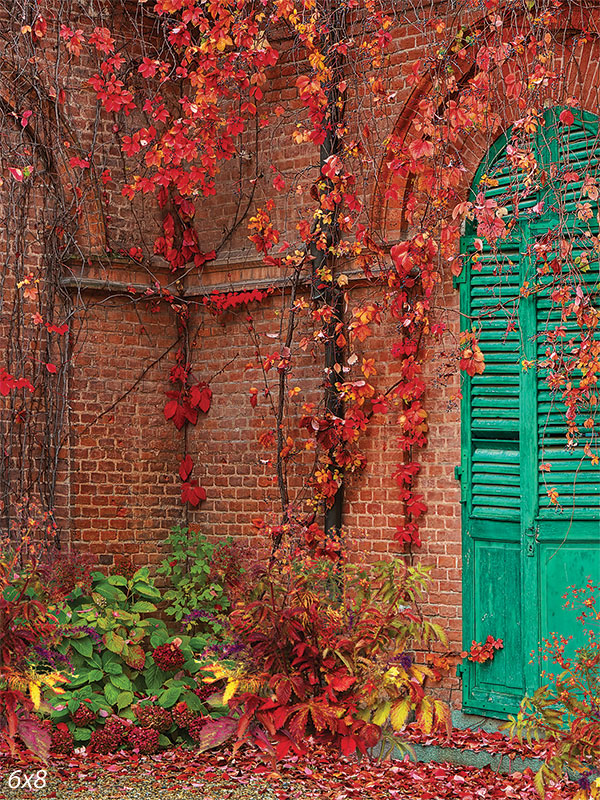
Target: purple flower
(405, 660)
(52, 657)
(584, 782)
(91, 632)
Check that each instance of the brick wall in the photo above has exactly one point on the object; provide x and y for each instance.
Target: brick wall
(121, 492)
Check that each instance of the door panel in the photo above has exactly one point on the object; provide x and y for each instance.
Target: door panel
(530, 495)
(497, 589)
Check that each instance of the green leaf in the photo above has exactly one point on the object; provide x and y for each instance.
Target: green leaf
(193, 701)
(83, 646)
(109, 658)
(111, 693)
(143, 606)
(79, 679)
(164, 741)
(155, 678)
(158, 637)
(169, 697)
(117, 580)
(82, 734)
(109, 592)
(113, 668)
(73, 704)
(124, 699)
(146, 590)
(113, 642)
(121, 682)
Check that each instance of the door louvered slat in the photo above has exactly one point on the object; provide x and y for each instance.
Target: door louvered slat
(494, 396)
(573, 473)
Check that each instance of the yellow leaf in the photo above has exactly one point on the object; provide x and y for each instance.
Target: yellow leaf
(34, 691)
(382, 713)
(425, 715)
(443, 715)
(230, 690)
(399, 714)
(217, 673)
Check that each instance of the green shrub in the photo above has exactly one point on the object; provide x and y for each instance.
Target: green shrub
(111, 637)
(197, 597)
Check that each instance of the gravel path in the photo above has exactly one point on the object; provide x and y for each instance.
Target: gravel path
(185, 774)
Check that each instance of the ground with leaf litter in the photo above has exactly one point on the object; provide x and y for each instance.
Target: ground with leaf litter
(182, 773)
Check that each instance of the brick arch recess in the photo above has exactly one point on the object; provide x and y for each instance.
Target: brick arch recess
(578, 67)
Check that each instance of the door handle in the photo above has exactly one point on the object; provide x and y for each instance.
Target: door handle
(531, 532)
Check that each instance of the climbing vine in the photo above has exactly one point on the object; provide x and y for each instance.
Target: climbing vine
(184, 105)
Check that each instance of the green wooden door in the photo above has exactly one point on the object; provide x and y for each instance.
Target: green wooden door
(521, 550)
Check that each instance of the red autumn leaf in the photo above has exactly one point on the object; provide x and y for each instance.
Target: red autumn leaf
(402, 257)
(40, 27)
(348, 745)
(415, 505)
(79, 162)
(192, 493)
(173, 410)
(51, 368)
(341, 681)
(59, 329)
(380, 404)
(406, 472)
(215, 733)
(332, 167)
(102, 40)
(566, 117)
(421, 148)
(148, 67)
(200, 397)
(185, 468)
(16, 173)
(408, 534)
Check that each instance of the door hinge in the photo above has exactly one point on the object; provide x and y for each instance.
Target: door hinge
(460, 670)
(457, 280)
(458, 473)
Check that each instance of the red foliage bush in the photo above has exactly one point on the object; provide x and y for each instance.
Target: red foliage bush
(62, 739)
(182, 715)
(83, 716)
(567, 710)
(327, 652)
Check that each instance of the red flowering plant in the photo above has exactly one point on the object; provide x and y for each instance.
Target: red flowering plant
(326, 651)
(567, 710)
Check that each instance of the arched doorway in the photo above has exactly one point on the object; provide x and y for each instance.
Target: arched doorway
(530, 497)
